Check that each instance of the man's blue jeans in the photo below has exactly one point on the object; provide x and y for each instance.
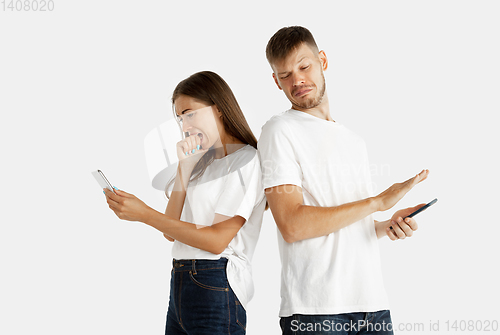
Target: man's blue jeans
(201, 300)
(344, 324)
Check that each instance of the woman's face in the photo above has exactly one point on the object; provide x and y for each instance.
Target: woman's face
(199, 119)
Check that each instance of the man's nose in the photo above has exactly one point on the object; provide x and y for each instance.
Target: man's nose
(298, 79)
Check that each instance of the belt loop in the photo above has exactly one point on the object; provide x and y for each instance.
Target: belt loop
(194, 267)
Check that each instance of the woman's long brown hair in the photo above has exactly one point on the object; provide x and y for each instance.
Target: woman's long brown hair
(209, 88)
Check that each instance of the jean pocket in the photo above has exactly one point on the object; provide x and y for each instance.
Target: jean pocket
(210, 280)
(241, 315)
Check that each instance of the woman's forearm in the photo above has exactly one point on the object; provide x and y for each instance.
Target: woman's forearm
(213, 238)
(176, 202)
(178, 196)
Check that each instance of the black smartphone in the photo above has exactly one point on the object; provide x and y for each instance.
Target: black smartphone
(421, 209)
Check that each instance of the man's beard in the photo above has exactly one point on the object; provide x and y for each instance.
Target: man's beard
(315, 101)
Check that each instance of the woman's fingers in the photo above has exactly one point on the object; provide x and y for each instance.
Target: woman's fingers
(111, 196)
(195, 141)
(123, 193)
(191, 145)
(185, 147)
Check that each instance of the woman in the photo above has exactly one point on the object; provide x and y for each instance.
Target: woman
(214, 212)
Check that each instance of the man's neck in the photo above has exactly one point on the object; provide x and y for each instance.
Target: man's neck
(321, 111)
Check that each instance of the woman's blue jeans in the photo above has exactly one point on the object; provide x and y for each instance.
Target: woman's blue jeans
(201, 300)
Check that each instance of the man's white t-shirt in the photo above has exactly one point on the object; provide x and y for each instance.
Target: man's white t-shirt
(230, 186)
(340, 272)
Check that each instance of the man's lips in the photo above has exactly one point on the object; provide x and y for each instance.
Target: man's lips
(302, 92)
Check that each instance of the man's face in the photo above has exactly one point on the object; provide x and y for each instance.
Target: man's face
(300, 76)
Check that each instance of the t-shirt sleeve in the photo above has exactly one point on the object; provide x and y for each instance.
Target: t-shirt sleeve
(278, 158)
(242, 189)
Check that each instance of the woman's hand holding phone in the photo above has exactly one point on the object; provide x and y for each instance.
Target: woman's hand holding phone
(127, 206)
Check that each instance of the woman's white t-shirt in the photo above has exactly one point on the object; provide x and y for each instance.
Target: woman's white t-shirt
(339, 272)
(229, 186)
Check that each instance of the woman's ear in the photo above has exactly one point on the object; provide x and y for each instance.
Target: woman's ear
(217, 111)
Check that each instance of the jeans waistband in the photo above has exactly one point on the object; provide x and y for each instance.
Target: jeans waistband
(198, 264)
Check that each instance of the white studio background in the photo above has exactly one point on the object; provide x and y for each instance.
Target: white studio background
(82, 85)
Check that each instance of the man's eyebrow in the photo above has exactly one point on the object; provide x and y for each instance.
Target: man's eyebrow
(301, 59)
(286, 72)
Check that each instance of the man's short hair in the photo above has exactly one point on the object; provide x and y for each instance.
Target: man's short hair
(286, 40)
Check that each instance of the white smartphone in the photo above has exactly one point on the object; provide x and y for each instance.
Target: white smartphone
(102, 180)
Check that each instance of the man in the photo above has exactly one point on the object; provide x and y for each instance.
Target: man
(317, 182)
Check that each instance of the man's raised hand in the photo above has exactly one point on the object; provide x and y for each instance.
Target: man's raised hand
(388, 198)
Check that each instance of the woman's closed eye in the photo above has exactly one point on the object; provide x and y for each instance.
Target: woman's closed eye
(186, 115)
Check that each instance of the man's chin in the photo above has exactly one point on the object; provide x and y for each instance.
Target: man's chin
(311, 103)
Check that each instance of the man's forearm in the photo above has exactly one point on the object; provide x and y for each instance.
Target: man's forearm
(298, 222)
(322, 221)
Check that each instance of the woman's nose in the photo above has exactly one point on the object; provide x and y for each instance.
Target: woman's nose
(185, 126)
